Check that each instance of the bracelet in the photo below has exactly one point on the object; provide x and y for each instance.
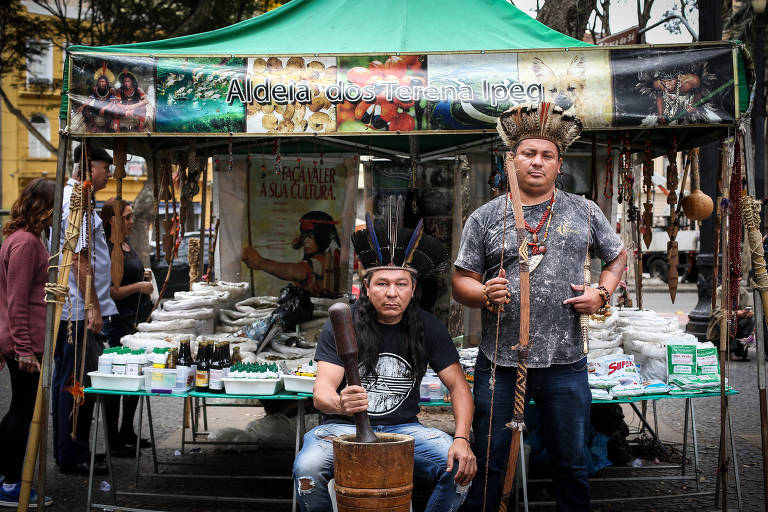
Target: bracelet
(495, 308)
(461, 437)
(605, 294)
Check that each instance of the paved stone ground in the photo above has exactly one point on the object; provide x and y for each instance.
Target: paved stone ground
(69, 492)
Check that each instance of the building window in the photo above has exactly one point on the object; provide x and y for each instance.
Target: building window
(40, 66)
(36, 148)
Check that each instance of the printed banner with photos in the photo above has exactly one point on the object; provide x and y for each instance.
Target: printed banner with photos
(605, 87)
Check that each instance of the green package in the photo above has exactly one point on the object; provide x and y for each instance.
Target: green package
(681, 360)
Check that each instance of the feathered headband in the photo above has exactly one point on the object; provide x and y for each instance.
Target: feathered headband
(396, 248)
(538, 121)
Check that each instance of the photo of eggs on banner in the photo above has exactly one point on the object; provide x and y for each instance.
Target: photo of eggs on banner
(379, 93)
(287, 94)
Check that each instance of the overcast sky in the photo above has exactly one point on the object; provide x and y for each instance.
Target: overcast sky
(624, 15)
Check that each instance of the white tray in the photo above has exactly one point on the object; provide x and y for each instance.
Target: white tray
(116, 382)
(251, 386)
(298, 383)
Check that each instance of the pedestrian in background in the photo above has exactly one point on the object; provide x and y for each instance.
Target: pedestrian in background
(132, 298)
(90, 268)
(23, 274)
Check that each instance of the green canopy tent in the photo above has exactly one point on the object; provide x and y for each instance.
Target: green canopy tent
(466, 41)
(448, 68)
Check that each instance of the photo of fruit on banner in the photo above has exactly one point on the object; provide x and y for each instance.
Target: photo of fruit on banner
(299, 114)
(383, 114)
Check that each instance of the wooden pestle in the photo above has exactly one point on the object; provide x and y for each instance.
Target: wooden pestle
(346, 346)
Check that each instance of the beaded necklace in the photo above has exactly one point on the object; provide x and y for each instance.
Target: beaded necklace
(536, 247)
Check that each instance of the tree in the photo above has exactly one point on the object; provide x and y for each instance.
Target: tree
(105, 22)
(15, 29)
(567, 16)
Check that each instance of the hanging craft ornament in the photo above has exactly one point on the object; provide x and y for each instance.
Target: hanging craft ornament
(647, 229)
(672, 250)
(608, 187)
(697, 205)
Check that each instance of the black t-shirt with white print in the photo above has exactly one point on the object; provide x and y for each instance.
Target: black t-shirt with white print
(393, 398)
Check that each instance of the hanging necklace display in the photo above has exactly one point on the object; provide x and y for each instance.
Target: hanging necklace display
(608, 187)
(593, 170)
(735, 233)
(721, 202)
(626, 180)
(647, 228)
(672, 228)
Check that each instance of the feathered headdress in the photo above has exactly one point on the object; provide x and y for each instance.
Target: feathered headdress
(397, 248)
(538, 121)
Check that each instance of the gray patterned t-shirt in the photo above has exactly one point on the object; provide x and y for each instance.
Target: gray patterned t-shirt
(555, 337)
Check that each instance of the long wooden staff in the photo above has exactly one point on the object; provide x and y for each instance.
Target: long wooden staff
(56, 293)
(517, 424)
(751, 215)
(346, 346)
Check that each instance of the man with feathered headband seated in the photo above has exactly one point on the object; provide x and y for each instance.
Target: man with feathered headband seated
(396, 340)
(559, 228)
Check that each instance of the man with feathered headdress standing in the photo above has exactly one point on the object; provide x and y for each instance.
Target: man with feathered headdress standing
(396, 340)
(559, 228)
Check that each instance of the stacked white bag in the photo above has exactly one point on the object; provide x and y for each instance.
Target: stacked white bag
(603, 338)
(645, 335)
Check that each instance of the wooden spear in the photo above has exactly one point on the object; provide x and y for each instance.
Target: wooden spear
(525, 310)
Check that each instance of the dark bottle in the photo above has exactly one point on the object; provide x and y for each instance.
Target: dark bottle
(227, 358)
(183, 362)
(203, 367)
(215, 384)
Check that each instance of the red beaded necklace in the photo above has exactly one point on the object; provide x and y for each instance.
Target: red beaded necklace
(536, 247)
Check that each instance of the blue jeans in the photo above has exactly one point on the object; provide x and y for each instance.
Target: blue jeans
(313, 467)
(68, 451)
(563, 400)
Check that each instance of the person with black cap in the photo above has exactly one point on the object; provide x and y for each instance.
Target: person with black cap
(396, 340)
(91, 259)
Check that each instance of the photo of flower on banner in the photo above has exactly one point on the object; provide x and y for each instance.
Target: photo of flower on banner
(287, 95)
(191, 95)
(112, 96)
(378, 93)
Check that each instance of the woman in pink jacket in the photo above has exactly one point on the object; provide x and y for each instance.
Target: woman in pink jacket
(23, 274)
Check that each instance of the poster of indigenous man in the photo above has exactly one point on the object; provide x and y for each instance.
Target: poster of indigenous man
(662, 87)
(293, 224)
(112, 96)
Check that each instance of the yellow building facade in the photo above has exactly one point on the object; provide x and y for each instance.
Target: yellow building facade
(22, 157)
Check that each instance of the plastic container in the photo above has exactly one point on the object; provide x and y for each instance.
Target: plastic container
(132, 364)
(298, 383)
(118, 363)
(430, 389)
(251, 386)
(113, 382)
(105, 361)
(160, 380)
